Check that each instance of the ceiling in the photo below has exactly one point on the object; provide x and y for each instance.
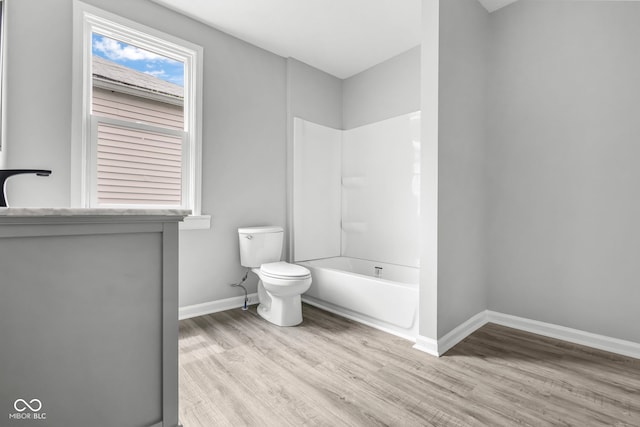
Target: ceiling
(340, 37)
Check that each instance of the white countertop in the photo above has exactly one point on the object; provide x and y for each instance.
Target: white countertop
(66, 212)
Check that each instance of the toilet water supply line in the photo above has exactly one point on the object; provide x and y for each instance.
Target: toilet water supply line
(239, 285)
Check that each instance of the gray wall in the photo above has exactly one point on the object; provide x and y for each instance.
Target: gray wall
(462, 290)
(314, 95)
(38, 100)
(429, 70)
(244, 130)
(563, 150)
(386, 90)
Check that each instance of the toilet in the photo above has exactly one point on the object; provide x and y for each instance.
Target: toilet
(281, 284)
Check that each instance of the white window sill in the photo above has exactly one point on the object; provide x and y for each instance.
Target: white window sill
(196, 222)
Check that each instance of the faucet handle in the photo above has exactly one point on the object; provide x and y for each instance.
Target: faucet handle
(378, 271)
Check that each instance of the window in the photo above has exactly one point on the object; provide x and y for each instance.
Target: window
(137, 109)
(137, 125)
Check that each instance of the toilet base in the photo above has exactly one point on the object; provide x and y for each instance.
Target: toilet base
(285, 311)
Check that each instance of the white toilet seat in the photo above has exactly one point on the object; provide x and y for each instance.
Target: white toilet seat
(284, 271)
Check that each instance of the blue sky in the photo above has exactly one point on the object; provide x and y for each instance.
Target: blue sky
(138, 59)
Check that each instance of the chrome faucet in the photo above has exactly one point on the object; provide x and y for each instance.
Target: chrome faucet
(8, 173)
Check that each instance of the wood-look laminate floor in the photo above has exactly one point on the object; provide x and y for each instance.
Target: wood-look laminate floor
(238, 370)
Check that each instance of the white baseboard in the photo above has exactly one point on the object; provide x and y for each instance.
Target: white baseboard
(428, 345)
(461, 332)
(576, 336)
(442, 345)
(195, 310)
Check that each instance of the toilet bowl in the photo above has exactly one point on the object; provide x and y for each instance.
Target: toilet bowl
(281, 284)
(279, 292)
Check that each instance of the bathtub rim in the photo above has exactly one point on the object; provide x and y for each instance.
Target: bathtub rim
(307, 264)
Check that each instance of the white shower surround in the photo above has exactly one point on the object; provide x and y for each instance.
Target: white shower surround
(356, 193)
(381, 191)
(356, 201)
(316, 191)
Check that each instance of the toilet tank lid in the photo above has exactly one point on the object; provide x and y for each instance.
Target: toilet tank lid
(261, 229)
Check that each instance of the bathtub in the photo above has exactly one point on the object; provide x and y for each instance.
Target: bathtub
(349, 287)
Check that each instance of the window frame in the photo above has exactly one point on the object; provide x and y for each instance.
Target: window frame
(87, 20)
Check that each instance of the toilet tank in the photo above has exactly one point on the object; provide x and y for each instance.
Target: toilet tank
(260, 245)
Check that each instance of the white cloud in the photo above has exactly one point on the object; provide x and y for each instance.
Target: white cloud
(162, 74)
(156, 73)
(115, 51)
